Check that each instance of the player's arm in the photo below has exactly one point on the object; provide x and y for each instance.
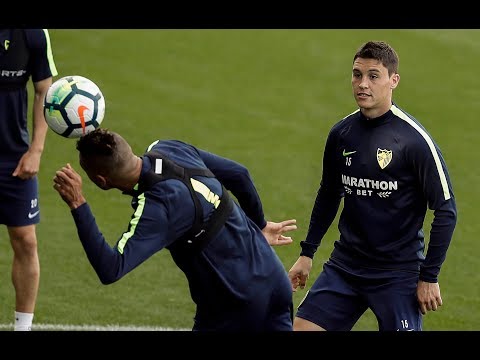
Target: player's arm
(147, 233)
(43, 71)
(437, 188)
(323, 213)
(327, 200)
(236, 178)
(40, 127)
(43, 68)
(145, 236)
(29, 164)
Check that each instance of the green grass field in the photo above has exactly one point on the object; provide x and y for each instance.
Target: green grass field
(266, 98)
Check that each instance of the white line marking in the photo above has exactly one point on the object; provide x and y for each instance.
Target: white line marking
(67, 327)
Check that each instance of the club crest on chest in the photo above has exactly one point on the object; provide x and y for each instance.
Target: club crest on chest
(384, 157)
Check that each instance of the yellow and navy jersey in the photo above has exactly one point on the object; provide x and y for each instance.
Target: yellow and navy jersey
(234, 266)
(388, 170)
(24, 54)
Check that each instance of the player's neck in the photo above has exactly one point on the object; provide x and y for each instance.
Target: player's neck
(373, 113)
(132, 175)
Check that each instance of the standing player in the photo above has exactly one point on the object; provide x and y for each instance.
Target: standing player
(388, 169)
(24, 54)
(181, 202)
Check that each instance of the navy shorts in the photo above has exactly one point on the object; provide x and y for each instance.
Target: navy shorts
(18, 199)
(264, 310)
(340, 296)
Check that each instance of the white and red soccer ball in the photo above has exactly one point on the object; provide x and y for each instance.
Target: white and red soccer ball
(74, 106)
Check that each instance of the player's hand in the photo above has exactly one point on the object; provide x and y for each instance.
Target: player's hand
(299, 272)
(68, 184)
(429, 297)
(273, 232)
(28, 165)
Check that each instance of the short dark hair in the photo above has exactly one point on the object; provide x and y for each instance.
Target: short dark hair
(380, 51)
(99, 150)
(99, 142)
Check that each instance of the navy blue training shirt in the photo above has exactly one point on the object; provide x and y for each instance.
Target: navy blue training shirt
(236, 263)
(388, 171)
(24, 54)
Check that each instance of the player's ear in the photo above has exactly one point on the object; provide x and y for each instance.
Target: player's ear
(395, 80)
(101, 181)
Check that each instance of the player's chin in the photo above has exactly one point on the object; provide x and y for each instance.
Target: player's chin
(362, 101)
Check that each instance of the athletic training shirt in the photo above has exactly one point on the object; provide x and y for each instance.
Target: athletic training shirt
(235, 266)
(388, 171)
(24, 53)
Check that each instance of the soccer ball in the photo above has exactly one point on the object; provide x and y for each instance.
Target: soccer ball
(74, 106)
